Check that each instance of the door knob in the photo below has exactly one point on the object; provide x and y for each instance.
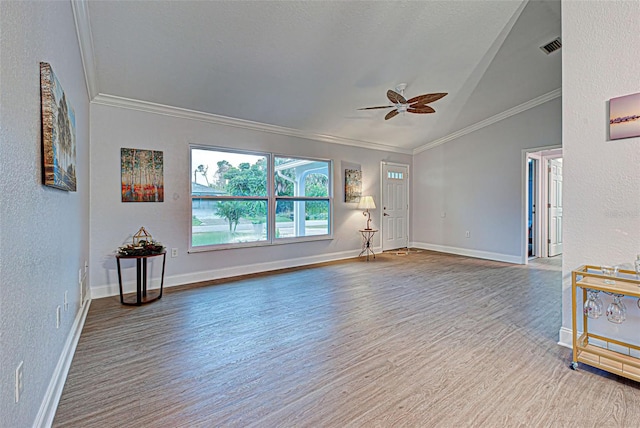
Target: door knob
(385, 214)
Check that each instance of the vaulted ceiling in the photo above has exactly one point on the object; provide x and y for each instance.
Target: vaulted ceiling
(305, 67)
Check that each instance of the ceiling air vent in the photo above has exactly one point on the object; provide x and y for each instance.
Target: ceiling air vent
(552, 46)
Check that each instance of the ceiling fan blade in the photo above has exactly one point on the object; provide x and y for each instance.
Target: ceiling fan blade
(395, 97)
(421, 110)
(373, 108)
(426, 98)
(391, 114)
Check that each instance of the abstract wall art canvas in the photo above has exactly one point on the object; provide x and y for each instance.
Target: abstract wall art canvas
(58, 133)
(142, 175)
(624, 117)
(352, 185)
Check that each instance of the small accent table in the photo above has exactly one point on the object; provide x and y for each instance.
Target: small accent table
(367, 235)
(142, 295)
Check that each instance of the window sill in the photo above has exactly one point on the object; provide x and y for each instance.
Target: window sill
(277, 241)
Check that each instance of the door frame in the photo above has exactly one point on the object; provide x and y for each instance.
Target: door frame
(545, 153)
(408, 190)
(537, 220)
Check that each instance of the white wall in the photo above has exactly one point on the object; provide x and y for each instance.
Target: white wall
(475, 181)
(601, 52)
(113, 222)
(44, 232)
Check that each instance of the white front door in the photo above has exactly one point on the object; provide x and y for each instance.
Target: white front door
(395, 206)
(555, 207)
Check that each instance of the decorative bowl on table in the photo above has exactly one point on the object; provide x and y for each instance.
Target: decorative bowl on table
(142, 249)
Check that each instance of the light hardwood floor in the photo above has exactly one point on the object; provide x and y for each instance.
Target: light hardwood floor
(422, 340)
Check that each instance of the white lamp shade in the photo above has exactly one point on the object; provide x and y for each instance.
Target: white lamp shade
(366, 203)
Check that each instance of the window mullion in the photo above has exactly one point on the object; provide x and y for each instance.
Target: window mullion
(303, 198)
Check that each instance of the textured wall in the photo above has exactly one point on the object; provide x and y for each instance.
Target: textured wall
(112, 221)
(476, 180)
(43, 231)
(601, 51)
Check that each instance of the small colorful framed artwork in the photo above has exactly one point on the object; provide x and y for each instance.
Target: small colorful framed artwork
(624, 117)
(142, 175)
(352, 185)
(58, 133)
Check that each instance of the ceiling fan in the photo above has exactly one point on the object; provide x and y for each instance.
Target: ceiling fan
(413, 105)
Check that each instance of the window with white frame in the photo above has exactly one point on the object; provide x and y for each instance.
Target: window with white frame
(249, 198)
(302, 197)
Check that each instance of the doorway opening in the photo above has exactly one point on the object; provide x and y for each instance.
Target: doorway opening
(543, 203)
(532, 204)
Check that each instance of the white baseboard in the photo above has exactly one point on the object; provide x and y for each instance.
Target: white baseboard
(487, 255)
(49, 404)
(566, 337)
(107, 290)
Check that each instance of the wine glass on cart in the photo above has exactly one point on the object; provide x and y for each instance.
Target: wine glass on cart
(593, 306)
(616, 311)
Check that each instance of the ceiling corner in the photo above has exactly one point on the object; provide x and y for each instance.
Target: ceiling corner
(85, 41)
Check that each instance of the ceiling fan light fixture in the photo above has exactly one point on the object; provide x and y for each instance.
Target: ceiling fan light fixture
(400, 88)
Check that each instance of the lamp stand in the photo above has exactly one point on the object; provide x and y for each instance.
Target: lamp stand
(368, 215)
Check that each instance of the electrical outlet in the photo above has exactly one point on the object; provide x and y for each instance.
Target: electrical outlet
(468, 234)
(19, 380)
(58, 317)
(66, 300)
(174, 252)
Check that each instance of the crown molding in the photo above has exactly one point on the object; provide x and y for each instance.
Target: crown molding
(85, 41)
(182, 113)
(493, 119)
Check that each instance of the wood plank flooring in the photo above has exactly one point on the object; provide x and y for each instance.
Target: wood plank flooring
(421, 340)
